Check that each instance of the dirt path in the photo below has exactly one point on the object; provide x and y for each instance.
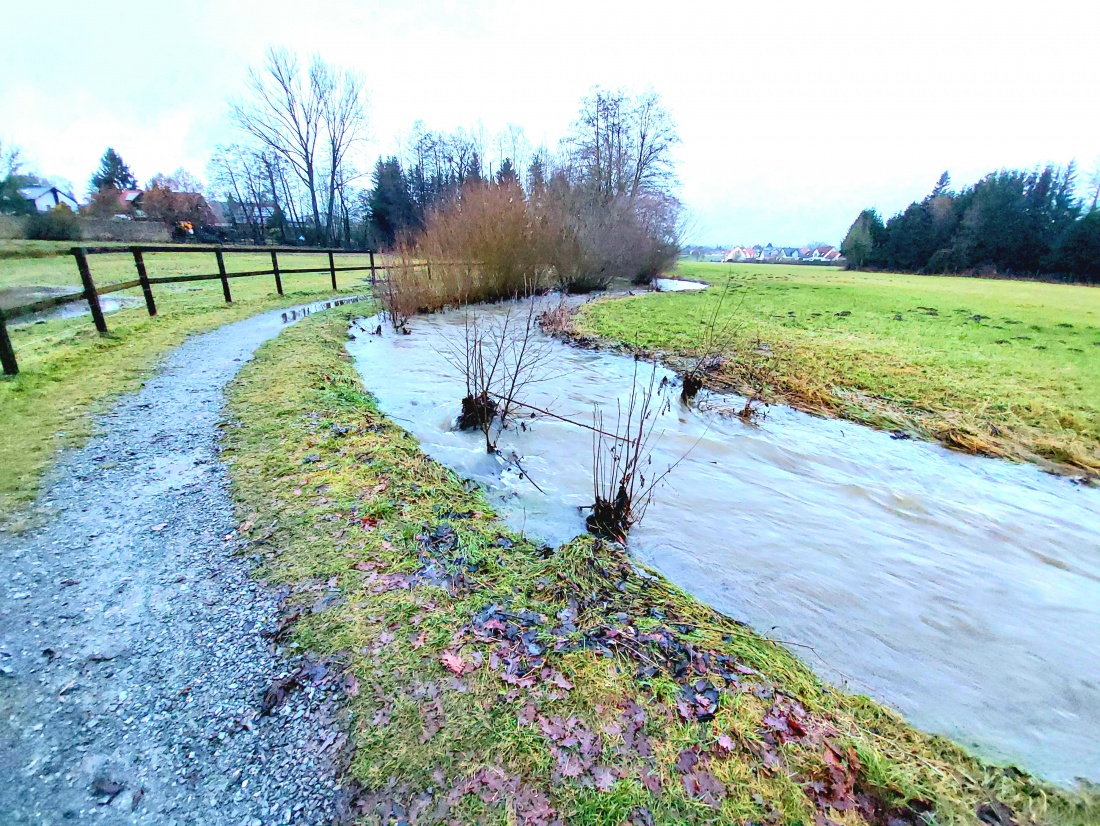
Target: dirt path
(132, 647)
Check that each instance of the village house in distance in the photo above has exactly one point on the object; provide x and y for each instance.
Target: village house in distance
(768, 254)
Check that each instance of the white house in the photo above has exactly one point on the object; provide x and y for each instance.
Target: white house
(46, 198)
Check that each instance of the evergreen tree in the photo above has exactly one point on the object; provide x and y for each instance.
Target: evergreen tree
(943, 185)
(536, 172)
(859, 244)
(473, 171)
(113, 172)
(507, 173)
(1078, 252)
(390, 204)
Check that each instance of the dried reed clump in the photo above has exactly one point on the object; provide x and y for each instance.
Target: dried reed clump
(483, 245)
(557, 320)
(493, 241)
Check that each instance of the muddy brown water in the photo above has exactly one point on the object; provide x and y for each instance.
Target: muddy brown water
(962, 591)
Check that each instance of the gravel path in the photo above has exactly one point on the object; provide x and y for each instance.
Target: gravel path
(132, 652)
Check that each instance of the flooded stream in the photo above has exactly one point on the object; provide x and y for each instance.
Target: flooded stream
(963, 591)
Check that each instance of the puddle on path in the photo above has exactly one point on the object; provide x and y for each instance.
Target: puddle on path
(301, 312)
(963, 591)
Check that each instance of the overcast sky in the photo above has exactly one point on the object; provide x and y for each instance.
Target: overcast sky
(793, 115)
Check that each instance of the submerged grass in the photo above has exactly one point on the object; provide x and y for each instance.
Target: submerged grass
(1004, 368)
(68, 372)
(495, 681)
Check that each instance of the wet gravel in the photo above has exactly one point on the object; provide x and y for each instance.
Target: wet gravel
(134, 646)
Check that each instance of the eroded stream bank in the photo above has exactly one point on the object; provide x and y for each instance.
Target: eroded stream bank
(963, 591)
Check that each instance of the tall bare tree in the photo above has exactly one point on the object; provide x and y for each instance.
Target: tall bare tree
(344, 111)
(309, 122)
(621, 144)
(11, 159)
(239, 175)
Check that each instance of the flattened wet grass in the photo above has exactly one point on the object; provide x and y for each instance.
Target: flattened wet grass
(499, 681)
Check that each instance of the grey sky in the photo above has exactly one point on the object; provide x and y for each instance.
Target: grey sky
(793, 115)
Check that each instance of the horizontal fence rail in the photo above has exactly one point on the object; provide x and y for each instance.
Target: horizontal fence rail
(90, 292)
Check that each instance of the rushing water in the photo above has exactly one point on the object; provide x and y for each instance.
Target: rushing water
(961, 590)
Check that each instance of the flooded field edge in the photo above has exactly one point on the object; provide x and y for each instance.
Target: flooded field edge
(754, 590)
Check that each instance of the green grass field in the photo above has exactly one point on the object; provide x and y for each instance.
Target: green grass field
(1006, 368)
(68, 371)
(32, 264)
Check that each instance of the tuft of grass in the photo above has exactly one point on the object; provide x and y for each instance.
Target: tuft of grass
(500, 682)
(1003, 368)
(68, 372)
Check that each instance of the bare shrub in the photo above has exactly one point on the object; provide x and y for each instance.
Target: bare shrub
(404, 291)
(623, 479)
(716, 340)
(557, 320)
(596, 239)
(491, 242)
(500, 357)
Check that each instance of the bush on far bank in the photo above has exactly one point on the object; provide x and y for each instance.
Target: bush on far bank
(57, 224)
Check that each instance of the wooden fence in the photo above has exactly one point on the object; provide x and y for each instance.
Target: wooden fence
(91, 293)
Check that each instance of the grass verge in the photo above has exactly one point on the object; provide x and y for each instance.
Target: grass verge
(1003, 368)
(494, 681)
(68, 372)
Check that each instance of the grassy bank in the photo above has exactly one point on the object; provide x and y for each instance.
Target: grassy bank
(68, 371)
(490, 680)
(1007, 368)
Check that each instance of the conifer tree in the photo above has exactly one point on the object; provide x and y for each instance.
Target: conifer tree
(113, 172)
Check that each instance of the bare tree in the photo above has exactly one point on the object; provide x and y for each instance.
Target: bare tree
(654, 136)
(344, 110)
(622, 144)
(239, 175)
(623, 476)
(11, 159)
(309, 124)
(500, 357)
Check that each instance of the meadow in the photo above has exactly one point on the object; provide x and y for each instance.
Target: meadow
(68, 372)
(1005, 368)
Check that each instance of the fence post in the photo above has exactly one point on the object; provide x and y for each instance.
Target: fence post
(275, 269)
(89, 289)
(7, 354)
(143, 277)
(332, 269)
(373, 273)
(225, 278)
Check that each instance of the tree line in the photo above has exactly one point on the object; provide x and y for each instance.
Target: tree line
(609, 185)
(1024, 223)
(603, 205)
